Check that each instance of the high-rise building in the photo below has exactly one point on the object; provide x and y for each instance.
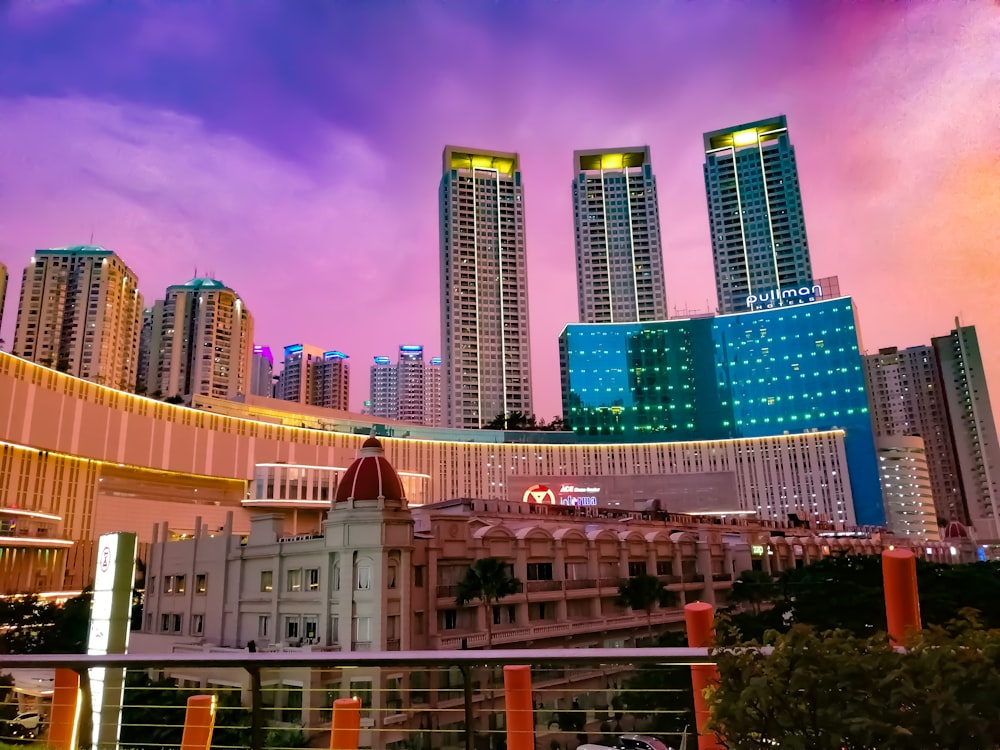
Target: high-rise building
(619, 257)
(907, 399)
(972, 426)
(755, 215)
(313, 376)
(484, 287)
(409, 390)
(81, 312)
(262, 372)
(384, 393)
(906, 487)
(3, 292)
(146, 363)
(433, 407)
(201, 341)
(331, 381)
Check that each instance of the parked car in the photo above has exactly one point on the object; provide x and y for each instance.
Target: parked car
(24, 726)
(640, 742)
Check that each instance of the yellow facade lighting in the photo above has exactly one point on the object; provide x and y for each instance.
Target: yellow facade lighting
(745, 137)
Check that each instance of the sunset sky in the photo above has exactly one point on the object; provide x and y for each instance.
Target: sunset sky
(293, 149)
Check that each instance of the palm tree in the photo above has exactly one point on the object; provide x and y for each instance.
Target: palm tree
(753, 587)
(643, 592)
(489, 580)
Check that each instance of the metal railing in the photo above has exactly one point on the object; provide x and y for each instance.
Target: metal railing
(416, 700)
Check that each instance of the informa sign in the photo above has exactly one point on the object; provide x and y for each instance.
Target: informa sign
(110, 619)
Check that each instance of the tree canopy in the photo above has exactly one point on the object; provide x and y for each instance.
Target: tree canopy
(488, 579)
(30, 625)
(642, 593)
(840, 691)
(521, 421)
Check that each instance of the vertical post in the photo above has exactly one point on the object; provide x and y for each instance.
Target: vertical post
(520, 707)
(64, 719)
(346, 728)
(699, 618)
(902, 603)
(199, 722)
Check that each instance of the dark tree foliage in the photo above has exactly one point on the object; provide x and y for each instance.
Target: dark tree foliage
(520, 421)
(153, 715)
(642, 593)
(660, 696)
(755, 588)
(29, 625)
(846, 592)
(840, 691)
(489, 580)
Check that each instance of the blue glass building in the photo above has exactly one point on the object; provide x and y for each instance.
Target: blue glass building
(788, 369)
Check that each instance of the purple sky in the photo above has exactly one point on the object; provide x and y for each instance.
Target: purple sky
(293, 149)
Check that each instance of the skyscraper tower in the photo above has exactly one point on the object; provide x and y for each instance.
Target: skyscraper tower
(972, 425)
(755, 214)
(619, 258)
(484, 287)
(262, 372)
(384, 393)
(907, 399)
(409, 390)
(81, 312)
(201, 341)
(313, 376)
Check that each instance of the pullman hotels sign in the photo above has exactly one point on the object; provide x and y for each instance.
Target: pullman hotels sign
(779, 297)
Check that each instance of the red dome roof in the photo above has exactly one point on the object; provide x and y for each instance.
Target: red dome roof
(370, 477)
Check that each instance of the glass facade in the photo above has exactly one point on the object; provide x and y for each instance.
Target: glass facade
(789, 369)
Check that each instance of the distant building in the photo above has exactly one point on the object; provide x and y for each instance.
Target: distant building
(262, 372)
(907, 398)
(619, 256)
(755, 214)
(408, 390)
(906, 487)
(201, 341)
(81, 313)
(484, 287)
(384, 390)
(973, 428)
(314, 376)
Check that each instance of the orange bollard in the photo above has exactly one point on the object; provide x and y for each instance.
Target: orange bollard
(902, 601)
(346, 728)
(520, 707)
(64, 719)
(699, 617)
(199, 722)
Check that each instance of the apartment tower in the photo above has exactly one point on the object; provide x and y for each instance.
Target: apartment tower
(201, 341)
(81, 312)
(409, 389)
(619, 257)
(262, 372)
(906, 397)
(974, 430)
(484, 287)
(755, 214)
(313, 376)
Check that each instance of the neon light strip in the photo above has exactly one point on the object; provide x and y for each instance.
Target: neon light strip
(770, 226)
(20, 541)
(332, 468)
(607, 247)
(30, 513)
(475, 254)
(631, 242)
(503, 312)
(743, 233)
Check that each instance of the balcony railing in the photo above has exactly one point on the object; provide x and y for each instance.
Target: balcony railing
(544, 585)
(415, 697)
